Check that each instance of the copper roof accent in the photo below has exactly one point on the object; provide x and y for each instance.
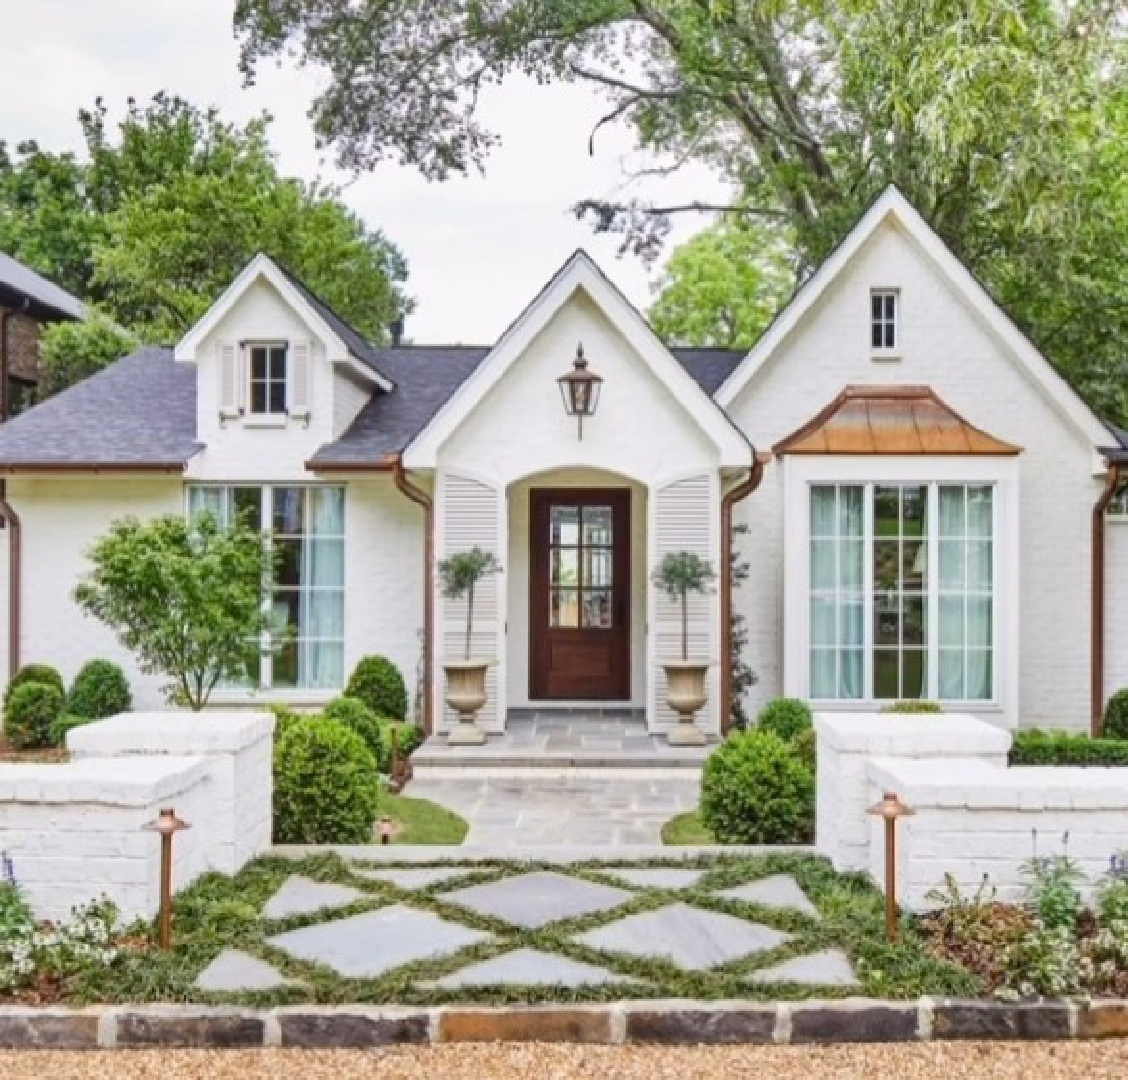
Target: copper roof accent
(891, 420)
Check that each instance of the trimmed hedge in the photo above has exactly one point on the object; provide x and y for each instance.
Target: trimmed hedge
(785, 717)
(358, 717)
(757, 789)
(36, 673)
(377, 682)
(325, 786)
(99, 690)
(67, 722)
(1115, 724)
(31, 711)
(1034, 747)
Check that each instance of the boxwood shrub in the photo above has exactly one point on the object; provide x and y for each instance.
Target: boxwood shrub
(37, 673)
(785, 717)
(64, 723)
(1115, 725)
(100, 689)
(358, 717)
(377, 682)
(31, 711)
(325, 785)
(756, 788)
(1034, 747)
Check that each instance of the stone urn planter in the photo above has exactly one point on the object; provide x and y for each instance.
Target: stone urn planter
(466, 677)
(679, 574)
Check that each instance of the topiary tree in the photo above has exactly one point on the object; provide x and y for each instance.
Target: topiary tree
(377, 683)
(184, 597)
(459, 576)
(100, 689)
(785, 717)
(325, 785)
(358, 717)
(1115, 723)
(757, 789)
(37, 673)
(678, 575)
(31, 711)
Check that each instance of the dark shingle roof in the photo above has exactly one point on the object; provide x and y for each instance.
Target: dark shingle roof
(45, 295)
(140, 411)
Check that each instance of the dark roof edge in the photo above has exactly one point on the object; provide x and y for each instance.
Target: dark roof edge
(92, 467)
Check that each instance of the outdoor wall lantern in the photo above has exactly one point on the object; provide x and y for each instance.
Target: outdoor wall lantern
(579, 389)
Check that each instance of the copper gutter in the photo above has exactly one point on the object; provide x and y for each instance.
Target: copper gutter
(417, 495)
(1097, 604)
(12, 521)
(741, 491)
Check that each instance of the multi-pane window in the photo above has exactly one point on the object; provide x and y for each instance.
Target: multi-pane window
(581, 561)
(305, 646)
(888, 563)
(883, 319)
(267, 370)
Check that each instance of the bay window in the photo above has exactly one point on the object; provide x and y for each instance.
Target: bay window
(305, 649)
(901, 591)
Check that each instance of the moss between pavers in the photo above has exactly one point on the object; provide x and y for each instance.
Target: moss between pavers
(219, 912)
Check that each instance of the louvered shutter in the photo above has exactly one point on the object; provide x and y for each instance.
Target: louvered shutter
(227, 360)
(471, 518)
(297, 402)
(684, 521)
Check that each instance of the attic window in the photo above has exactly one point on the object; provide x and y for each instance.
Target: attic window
(884, 315)
(267, 370)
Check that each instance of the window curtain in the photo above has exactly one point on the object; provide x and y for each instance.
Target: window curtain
(210, 499)
(323, 595)
(836, 612)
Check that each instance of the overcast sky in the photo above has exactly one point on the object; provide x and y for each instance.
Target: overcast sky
(478, 249)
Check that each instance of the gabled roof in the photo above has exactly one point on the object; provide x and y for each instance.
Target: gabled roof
(891, 420)
(136, 414)
(581, 273)
(342, 343)
(892, 205)
(42, 297)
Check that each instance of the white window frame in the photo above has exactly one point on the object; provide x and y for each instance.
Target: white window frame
(296, 694)
(268, 415)
(801, 473)
(883, 351)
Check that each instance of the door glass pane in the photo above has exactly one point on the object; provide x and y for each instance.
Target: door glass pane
(886, 620)
(914, 511)
(565, 566)
(564, 526)
(289, 503)
(597, 608)
(288, 562)
(599, 568)
(822, 621)
(824, 683)
(248, 506)
(886, 511)
(598, 524)
(912, 620)
(564, 608)
(885, 570)
(885, 671)
(914, 672)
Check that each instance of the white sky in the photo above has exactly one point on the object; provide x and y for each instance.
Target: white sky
(478, 249)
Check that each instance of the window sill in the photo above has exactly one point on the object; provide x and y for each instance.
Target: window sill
(266, 421)
(853, 705)
(885, 357)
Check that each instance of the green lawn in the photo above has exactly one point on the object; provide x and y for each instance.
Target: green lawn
(686, 829)
(422, 821)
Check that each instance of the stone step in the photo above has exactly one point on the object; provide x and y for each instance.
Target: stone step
(429, 760)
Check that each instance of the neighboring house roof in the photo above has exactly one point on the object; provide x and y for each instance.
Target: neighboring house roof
(891, 420)
(139, 413)
(44, 298)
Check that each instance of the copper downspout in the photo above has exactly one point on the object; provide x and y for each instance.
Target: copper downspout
(741, 491)
(12, 520)
(417, 495)
(1097, 630)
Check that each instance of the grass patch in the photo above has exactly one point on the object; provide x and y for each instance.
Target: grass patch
(421, 821)
(686, 830)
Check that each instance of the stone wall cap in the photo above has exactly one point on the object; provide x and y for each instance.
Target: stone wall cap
(217, 731)
(106, 781)
(935, 734)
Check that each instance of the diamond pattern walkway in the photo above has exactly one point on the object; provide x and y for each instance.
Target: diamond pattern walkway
(534, 900)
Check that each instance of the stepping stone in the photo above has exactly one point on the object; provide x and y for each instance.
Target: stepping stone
(301, 896)
(233, 971)
(780, 891)
(415, 879)
(828, 968)
(530, 967)
(534, 900)
(687, 936)
(665, 878)
(365, 946)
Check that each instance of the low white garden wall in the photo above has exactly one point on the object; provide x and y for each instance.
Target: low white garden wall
(73, 830)
(975, 816)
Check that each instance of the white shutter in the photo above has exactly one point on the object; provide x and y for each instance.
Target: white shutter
(471, 518)
(684, 521)
(227, 378)
(297, 402)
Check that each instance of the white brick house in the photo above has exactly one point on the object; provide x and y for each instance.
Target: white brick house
(924, 495)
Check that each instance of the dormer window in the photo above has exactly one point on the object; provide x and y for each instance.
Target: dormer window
(267, 372)
(885, 307)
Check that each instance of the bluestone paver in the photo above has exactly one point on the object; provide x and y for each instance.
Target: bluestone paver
(530, 967)
(301, 895)
(533, 900)
(233, 971)
(828, 968)
(779, 891)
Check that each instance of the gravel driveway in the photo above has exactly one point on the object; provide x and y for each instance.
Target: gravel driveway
(951, 1061)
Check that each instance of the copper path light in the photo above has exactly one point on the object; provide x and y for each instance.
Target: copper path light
(166, 825)
(891, 809)
(579, 390)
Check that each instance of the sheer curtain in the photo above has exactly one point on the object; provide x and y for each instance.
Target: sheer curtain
(323, 592)
(836, 596)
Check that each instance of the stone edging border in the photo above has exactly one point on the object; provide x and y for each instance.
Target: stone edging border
(668, 1022)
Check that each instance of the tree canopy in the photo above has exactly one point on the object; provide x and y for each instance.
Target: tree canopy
(162, 211)
(1004, 121)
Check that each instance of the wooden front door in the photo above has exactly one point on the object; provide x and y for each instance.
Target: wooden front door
(579, 603)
